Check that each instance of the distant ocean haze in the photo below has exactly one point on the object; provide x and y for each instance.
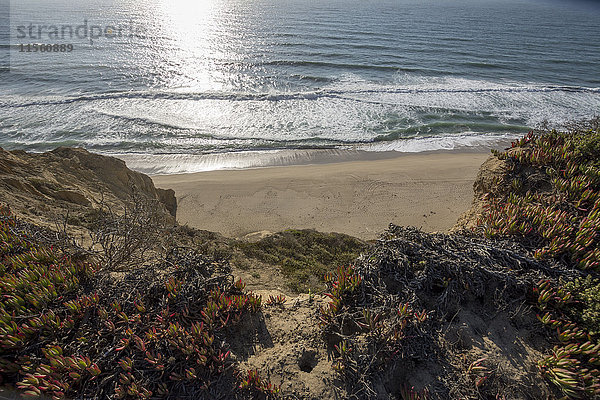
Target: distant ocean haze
(181, 79)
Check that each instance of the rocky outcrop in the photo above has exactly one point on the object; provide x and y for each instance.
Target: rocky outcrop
(73, 180)
(168, 199)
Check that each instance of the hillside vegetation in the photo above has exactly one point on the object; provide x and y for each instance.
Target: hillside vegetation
(551, 204)
(507, 308)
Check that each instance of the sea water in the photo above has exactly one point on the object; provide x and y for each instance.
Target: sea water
(178, 80)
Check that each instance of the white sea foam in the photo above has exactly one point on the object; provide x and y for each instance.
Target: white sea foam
(159, 164)
(463, 141)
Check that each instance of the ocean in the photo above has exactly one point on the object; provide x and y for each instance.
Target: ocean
(183, 85)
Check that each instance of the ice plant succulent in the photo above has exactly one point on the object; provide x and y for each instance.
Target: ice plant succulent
(355, 328)
(61, 339)
(278, 300)
(559, 221)
(257, 386)
(563, 221)
(573, 365)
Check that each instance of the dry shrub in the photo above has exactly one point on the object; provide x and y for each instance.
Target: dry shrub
(130, 236)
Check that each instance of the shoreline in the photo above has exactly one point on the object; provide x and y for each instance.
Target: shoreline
(186, 163)
(182, 164)
(429, 190)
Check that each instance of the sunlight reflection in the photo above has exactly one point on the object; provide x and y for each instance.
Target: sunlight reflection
(193, 33)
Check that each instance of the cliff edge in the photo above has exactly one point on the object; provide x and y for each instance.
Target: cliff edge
(39, 185)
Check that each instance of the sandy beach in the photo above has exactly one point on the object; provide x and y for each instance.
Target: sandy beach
(359, 198)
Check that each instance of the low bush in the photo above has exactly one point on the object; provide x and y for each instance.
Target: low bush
(67, 331)
(304, 256)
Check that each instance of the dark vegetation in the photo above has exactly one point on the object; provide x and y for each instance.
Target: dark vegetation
(394, 320)
(391, 316)
(70, 330)
(494, 313)
(301, 257)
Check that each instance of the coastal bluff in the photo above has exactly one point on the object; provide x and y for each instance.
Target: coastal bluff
(73, 180)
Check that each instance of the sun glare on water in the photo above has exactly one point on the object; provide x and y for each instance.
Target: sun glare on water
(191, 30)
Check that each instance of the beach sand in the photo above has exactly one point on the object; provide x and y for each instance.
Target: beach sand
(359, 198)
